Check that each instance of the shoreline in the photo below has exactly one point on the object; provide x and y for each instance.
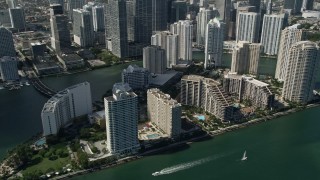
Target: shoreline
(177, 145)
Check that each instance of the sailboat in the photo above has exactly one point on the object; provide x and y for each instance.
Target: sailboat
(244, 157)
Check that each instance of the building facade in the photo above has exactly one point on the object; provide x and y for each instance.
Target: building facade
(74, 4)
(184, 29)
(122, 120)
(136, 77)
(203, 18)
(215, 33)
(164, 112)
(9, 68)
(245, 58)
(301, 72)
(82, 28)
(154, 59)
(207, 94)
(66, 105)
(246, 88)
(271, 32)
(289, 36)
(169, 42)
(248, 26)
(6, 43)
(17, 18)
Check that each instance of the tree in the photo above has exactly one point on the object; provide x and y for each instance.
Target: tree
(82, 159)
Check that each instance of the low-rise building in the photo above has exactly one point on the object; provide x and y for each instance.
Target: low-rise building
(248, 88)
(62, 108)
(71, 61)
(9, 68)
(164, 112)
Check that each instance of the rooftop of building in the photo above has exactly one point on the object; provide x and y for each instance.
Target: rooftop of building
(164, 97)
(121, 91)
(70, 57)
(134, 68)
(158, 80)
(8, 58)
(192, 77)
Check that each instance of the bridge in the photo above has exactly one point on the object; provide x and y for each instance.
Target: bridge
(42, 88)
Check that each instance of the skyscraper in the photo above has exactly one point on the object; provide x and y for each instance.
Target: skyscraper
(12, 4)
(248, 25)
(60, 34)
(184, 29)
(295, 5)
(82, 28)
(150, 15)
(17, 18)
(289, 36)
(121, 110)
(301, 72)
(215, 32)
(61, 2)
(245, 58)
(203, 17)
(271, 31)
(98, 18)
(74, 4)
(164, 112)
(169, 42)
(9, 68)
(6, 43)
(255, 3)
(154, 59)
(116, 28)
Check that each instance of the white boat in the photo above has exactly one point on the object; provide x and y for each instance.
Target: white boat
(156, 173)
(27, 84)
(1, 87)
(244, 157)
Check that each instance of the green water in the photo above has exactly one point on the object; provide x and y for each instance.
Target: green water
(286, 148)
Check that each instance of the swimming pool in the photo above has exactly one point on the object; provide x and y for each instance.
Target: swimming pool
(152, 136)
(200, 117)
(40, 142)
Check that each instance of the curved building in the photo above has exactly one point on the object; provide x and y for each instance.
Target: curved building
(66, 105)
(299, 82)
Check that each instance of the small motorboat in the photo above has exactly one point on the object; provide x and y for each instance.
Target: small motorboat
(156, 173)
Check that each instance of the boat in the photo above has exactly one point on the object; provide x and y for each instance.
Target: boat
(27, 84)
(156, 173)
(244, 157)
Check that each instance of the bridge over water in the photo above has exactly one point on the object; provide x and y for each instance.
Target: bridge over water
(42, 88)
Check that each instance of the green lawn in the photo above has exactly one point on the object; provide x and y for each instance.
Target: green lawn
(46, 164)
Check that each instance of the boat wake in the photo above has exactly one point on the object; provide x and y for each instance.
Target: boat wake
(185, 166)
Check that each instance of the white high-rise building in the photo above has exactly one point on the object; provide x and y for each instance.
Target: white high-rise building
(136, 77)
(301, 73)
(169, 42)
(203, 17)
(245, 58)
(184, 29)
(289, 36)
(17, 18)
(6, 43)
(215, 33)
(248, 25)
(164, 112)
(154, 59)
(82, 28)
(9, 68)
(66, 105)
(121, 112)
(271, 32)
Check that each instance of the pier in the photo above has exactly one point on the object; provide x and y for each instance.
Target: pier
(42, 88)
